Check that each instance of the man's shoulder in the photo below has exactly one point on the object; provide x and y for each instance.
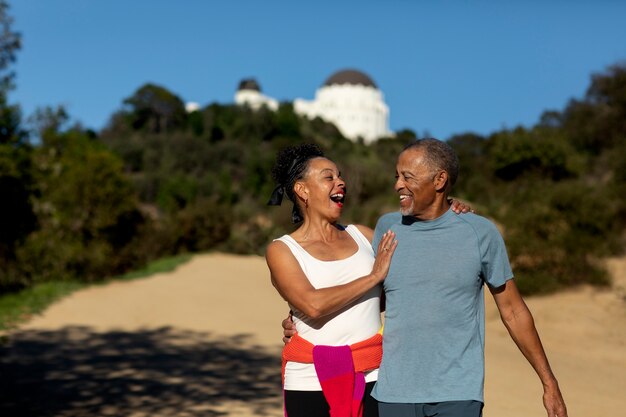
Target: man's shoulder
(481, 225)
(387, 219)
(391, 216)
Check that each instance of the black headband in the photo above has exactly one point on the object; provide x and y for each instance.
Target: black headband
(276, 198)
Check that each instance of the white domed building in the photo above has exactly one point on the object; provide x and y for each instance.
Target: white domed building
(249, 94)
(351, 101)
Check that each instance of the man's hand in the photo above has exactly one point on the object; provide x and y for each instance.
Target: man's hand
(519, 322)
(289, 329)
(554, 403)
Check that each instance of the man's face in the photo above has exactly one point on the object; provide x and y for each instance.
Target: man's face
(414, 183)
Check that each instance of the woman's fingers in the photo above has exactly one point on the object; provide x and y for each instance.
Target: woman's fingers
(388, 242)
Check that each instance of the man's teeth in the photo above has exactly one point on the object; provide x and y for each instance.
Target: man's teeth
(403, 197)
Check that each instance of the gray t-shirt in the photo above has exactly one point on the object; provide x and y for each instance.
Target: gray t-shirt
(434, 336)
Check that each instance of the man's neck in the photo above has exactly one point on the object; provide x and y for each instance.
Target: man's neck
(434, 211)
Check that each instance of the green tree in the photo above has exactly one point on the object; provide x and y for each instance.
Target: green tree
(48, 120)
(154, 109)
(598, 122)
(17, 219)
(10, 43)
(474, 181)
(86, 210)
(557, 231)
(539, 151)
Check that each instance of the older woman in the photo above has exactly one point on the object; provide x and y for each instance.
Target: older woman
(329, 276)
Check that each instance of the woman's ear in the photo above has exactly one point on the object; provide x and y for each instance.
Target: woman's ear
(300, 190)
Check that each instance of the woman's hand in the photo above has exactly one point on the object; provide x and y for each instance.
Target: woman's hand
(295, 288)
(459, 207)
(386, 248)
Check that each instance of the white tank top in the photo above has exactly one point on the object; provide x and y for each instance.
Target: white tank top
(353, 323)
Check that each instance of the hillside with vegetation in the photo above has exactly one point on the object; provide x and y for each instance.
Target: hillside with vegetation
(79, 204)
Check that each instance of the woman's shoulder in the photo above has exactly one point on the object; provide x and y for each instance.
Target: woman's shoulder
(277, 246)
(365, 231)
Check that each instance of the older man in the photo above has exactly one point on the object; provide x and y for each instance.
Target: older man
(433, 343)
(434, 337)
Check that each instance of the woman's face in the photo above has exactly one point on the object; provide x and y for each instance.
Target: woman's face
(324, 189)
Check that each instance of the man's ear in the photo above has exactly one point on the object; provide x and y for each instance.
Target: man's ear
(441, 180)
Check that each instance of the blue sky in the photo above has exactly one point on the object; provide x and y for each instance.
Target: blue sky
(445, 67)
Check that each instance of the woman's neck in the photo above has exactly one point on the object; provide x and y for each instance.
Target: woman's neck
(320, 230)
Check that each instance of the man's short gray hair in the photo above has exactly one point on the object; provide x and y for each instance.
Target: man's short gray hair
(438, 155)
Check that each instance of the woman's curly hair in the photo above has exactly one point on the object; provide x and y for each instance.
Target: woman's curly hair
(291, 164)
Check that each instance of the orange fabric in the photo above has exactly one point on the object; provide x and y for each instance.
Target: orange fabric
(366, 354)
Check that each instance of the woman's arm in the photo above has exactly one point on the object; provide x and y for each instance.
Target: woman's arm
(459, 207)
(295, 288)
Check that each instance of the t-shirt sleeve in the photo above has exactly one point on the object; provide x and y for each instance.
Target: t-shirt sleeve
(496, 269)
(380, 229)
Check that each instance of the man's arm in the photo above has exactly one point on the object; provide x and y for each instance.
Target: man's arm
(289, 328)
(521, 326)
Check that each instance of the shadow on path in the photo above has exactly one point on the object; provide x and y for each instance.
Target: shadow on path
(163, 372)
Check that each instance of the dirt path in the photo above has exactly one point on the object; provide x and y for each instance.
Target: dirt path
(204, 341)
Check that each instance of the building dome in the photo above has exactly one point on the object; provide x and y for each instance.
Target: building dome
(351, 101)
(249, 84)
(350, 76)
(249, 94)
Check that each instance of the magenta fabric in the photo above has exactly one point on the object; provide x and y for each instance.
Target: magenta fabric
(343, 388)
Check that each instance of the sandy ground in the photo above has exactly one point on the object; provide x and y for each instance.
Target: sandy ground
(204, 340)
